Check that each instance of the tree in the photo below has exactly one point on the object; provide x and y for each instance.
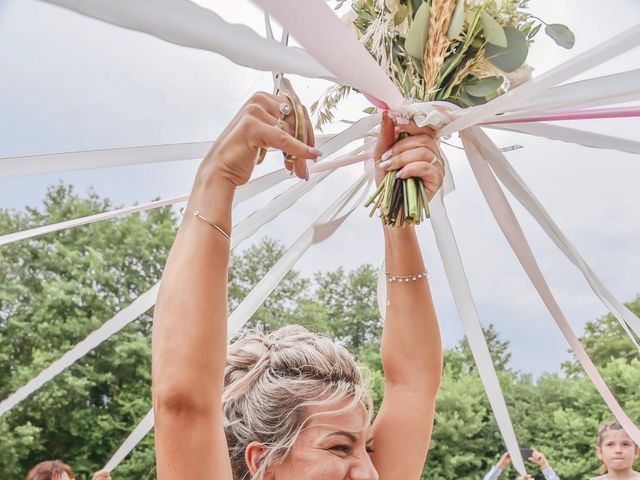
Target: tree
(249, 267)
(351, 300)
(56, 289)
(605, 340)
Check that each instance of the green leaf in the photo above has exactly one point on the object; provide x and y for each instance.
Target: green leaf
(483, 87)
(534, 31)
(457, 21)
(471, 100)
(400, 15)
(510, 58)
(493, 31)
(561, 35)
(416, 40)
(370, 110)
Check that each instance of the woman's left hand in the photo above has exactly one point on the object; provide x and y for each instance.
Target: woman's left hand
(414, 156)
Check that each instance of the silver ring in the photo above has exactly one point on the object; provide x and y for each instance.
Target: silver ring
(285, 108)
(434, 161)
(279, 124)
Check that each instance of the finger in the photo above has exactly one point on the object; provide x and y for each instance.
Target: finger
(259, 112)
(386, 137)
(415, 141)
(419, 154)
(266, 135)
(271, 103)
(420, 169)
(431, 178)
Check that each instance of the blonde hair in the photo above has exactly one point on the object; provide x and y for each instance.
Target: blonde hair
(611, 426)
(271, 381)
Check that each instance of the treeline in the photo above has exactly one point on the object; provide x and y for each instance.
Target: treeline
(58, 288)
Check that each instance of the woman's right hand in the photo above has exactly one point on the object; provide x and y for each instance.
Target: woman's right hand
(257, 125)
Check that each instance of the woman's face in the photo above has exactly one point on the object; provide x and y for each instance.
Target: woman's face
(617, 451)
(332, 446)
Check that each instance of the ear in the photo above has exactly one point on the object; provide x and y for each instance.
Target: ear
(253, 455)
(599, 453)
(637, 452)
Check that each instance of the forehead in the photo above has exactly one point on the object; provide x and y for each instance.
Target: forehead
(615, 435)
(339, 416)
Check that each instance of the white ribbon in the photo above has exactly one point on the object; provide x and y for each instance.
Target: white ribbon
(606, 90)
(242, 231)
(111, 157)
(572, 135)
(510, 227)
(459, 285)
(515, 184)
(184, 23)
(332, 43)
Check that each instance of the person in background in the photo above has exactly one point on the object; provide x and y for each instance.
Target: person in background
(58, 470)
(536, 456)
(617, 452)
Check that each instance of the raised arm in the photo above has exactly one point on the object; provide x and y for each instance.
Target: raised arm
(411, 349)
(190, 320)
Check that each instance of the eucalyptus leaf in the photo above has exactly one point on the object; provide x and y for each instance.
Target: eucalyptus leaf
(416, 39)
(493, 31)
(534, 31)
(561, 35)
(483, 87)
(400, 15)
(470, 100)
(510, 58)
(457, 21)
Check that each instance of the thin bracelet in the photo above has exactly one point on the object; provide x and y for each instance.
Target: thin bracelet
(405, 278)
(196, 213)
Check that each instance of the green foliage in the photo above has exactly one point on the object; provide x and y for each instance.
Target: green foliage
(56, 289)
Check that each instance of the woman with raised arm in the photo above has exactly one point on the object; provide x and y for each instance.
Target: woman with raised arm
(290, 404)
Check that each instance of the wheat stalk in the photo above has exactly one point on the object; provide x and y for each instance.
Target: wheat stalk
(437, 42)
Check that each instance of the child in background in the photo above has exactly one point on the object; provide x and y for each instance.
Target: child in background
(617, 452)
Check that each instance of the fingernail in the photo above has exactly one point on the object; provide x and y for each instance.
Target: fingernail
(387, 155)
(315, 151)
(400, 174)
(385, 164)
(306, 174)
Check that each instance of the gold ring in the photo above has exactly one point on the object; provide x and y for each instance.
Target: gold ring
(300, 127)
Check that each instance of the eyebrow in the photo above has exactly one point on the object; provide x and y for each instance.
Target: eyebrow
(349, 435)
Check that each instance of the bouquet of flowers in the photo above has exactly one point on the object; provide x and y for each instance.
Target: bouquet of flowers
(462, 51)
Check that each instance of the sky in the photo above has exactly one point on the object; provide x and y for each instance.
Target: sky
(73, 83)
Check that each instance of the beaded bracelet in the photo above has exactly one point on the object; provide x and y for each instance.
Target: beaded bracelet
(405, 278)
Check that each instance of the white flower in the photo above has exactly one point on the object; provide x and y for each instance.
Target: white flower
(425, 114)
(519, 76)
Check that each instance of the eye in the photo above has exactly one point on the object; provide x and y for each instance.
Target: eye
(370, 450)
(341, 448)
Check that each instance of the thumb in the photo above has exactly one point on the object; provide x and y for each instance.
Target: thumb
(386, 137)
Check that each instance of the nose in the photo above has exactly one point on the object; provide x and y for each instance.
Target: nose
(363, 469)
